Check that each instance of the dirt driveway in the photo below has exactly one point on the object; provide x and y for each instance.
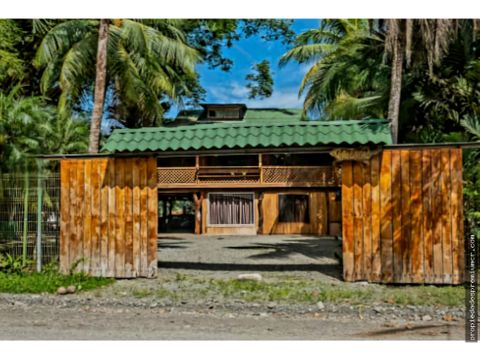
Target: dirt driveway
(260, 253)
(197, 296)
(91, 322)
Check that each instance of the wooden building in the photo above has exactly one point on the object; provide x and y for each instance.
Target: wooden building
(229, 170)
(226, 169)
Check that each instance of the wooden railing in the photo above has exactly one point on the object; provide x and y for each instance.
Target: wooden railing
(323, 175)
(241, 176)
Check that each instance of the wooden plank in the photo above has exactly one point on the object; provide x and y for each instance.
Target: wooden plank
(396, 200)
(358, 250)
(204, 212)
(152, 217)
(95, 221)
(120, 218)
(413, 255)
(334, 208)
(322, 211)
(347, 217)
(259, 212)
(231, 230)
(446, 217)
(112, 211)
(136, 216)
(405, 213)
(427, 194)
(456, 216)
(65, 217)
(313, 212)
(81, 213)
(386, 230)
(367, 221)
(142, 170)
(197, 200)
(103, 237)
(270, 212)
(86, 180)
(73, 220)
(128, 218)
(375, 274)
(437, 205)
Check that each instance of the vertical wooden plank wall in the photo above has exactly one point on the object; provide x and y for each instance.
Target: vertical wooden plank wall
(403, 217)
(321, 212)
(108, 219)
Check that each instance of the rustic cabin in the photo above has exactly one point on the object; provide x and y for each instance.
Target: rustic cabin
(227, 169)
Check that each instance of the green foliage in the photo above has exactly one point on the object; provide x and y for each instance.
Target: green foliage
(211, 36)
(291, 289)
(11, 64)
(260, 81)
(12, 265)
(348, 78)
(22, 125)
(147, 60)
(471, 175)
(48, 282)
(29, 126)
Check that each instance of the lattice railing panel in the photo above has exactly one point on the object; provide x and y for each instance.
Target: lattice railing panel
(318, 175)
(313, 175)
(228, 180)
(177, 175)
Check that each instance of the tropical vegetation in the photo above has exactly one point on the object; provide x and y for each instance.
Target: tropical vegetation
(421, 74)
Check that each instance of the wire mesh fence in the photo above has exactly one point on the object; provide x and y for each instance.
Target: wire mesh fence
(30, 216)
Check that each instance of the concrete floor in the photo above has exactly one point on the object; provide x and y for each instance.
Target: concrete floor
(250, 253)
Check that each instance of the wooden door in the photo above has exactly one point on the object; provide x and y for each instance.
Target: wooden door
(403, 217)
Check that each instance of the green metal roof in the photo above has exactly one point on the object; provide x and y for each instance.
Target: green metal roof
(252, 115)
(265, 128)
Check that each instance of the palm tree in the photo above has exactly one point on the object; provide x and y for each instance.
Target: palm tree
(143, 61)
(21, 119)
(347, 76)
(432, 35)
(28, 127)
(100, 87)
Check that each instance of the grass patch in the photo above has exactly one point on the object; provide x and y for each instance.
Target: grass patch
(288, 290)
(305, 292)
(47, 282)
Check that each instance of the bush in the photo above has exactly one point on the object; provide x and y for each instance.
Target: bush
(12, 265)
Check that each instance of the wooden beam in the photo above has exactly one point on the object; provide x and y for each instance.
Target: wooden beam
(198, 212)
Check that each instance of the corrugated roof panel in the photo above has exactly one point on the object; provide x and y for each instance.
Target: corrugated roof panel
(250, 134)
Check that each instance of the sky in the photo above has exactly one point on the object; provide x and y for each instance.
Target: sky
(230, 87)
(224, 87)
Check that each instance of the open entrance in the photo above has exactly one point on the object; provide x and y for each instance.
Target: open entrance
(176, 213)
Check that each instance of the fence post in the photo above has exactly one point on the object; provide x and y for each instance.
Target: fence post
(25, 217)
(39, 215)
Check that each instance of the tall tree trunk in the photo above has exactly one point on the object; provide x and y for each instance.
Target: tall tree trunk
(395, 87)
(100, 85)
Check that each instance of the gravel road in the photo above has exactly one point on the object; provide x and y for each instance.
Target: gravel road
(183, 303)
(87, 322)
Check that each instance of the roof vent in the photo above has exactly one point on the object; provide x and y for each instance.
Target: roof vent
(222, 112)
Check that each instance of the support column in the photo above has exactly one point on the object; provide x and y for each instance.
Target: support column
(198, 212)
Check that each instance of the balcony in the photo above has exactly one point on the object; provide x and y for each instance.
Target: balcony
(247, 176)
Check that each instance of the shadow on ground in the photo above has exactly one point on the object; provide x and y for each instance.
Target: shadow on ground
(312, 248)
(251, 253)
(333, 270)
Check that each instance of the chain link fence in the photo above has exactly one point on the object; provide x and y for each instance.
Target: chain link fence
(30, 216)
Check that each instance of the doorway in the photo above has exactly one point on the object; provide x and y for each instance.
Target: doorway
(176, 213)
